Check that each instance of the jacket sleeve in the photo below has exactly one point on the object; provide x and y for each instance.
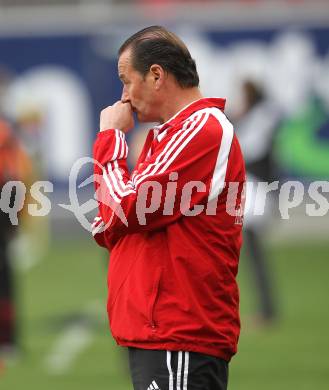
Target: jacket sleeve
(174, 181)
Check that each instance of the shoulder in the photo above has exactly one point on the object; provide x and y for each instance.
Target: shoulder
(213, 121)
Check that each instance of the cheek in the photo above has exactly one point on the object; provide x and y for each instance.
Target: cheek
(142, 97)
(135, 92)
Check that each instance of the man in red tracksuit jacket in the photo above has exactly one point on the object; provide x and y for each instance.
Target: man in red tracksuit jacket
(173, 227)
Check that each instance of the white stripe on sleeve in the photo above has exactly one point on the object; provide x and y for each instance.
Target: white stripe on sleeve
(110, 187)
(117, 144)
(122, 154)
(118, 182)
(218, 179)
(98, 228)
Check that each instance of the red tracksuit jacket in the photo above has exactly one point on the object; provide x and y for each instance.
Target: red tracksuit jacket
(173, 229)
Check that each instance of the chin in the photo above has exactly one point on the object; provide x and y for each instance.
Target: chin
(146, 118)
(143, 118)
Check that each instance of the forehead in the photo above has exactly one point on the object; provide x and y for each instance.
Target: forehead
(124, 63)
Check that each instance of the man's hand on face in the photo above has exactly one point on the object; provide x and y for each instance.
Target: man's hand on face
(119, 116)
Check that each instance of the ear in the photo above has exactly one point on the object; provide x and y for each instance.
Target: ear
(158, 75)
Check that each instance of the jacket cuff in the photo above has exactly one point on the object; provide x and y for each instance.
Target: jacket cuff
(110, 145)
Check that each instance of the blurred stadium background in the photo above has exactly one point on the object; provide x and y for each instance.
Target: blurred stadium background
(57, 70)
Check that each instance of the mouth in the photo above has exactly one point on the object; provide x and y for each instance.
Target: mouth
(133, 108)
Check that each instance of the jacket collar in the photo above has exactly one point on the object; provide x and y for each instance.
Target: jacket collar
(188, 110)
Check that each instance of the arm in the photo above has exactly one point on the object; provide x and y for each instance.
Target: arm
(160, 189)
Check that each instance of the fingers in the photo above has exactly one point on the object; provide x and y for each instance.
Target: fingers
(118, 116)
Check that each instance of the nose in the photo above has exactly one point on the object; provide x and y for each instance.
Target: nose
(125, 96)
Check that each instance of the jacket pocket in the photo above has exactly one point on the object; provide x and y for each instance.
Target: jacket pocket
(154, 299)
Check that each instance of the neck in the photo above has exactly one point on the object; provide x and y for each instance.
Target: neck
(178, 101)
